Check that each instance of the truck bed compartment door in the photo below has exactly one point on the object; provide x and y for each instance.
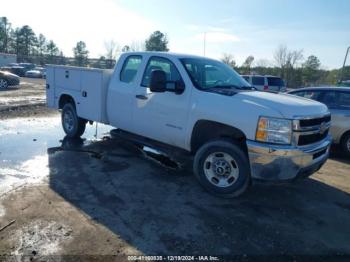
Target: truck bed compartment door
(90, 102)
(50, 87)
(68, 78)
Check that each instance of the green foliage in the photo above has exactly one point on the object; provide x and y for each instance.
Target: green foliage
(311, 72)
(246, 66)
(5, 31)
(28, 47)
(81, 54)
(157, 42)
(229, 60)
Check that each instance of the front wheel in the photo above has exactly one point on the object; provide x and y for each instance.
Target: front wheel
(222, 168)
(73, 125)
(3, 83)
(345, 144)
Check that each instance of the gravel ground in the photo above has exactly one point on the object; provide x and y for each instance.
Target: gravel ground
(27, 99)
(100, 198)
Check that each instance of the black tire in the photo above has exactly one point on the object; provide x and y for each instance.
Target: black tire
(345, 144)
(73, 125)
(201, 168)
(3, 83)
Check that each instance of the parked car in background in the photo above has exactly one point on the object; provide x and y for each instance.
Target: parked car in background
(8, 79)
(18, 70)
(266, 83)
(37, 72)
(27, 66)
(6, 68)
(12, 64)
(338, 101)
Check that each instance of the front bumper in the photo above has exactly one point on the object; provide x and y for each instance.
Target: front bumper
(281, 163)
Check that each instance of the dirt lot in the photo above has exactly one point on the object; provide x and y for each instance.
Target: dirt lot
(82, 199)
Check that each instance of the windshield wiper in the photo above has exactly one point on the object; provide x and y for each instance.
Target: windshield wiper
(232, 86)
(248, 88)
(224, 87)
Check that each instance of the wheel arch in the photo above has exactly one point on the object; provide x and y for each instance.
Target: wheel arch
(64, 99)
(344, 135)
(206, 130)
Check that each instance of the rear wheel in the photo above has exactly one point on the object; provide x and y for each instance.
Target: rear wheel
(345, 144)
(3, 83)
(73, 125)
(222, 168)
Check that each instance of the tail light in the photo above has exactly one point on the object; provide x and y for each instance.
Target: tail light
(266, 87)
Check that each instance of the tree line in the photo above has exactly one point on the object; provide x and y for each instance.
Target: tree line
(291, 66)
(288, 64)
(36, 48)
(22, 41)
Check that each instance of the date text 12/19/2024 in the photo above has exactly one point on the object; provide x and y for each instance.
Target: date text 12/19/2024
(173, 258)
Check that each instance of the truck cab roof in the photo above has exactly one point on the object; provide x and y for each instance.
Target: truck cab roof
(166, 54)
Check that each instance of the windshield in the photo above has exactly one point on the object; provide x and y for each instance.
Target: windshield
(206, 74)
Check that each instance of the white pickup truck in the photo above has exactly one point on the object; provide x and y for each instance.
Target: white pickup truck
(202, 106)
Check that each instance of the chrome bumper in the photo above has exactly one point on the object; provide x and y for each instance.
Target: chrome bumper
(274, 162)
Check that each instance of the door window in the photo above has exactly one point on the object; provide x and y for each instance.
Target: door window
(314, 95)
(310, 94)
(130, 68)
(160, 63)
(337, 100)
(259, 81)
(275, 81)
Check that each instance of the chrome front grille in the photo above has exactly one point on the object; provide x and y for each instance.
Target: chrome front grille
(308, 131)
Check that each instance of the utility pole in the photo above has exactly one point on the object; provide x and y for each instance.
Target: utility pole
(342, 70)
(204, 42)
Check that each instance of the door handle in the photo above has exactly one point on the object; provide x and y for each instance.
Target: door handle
(143, 97)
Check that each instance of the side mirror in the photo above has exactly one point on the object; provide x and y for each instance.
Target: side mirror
(179, 87)
(158, 81)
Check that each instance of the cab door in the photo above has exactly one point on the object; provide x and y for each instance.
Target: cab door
(162, 116)
(121, 99)
(338, 103)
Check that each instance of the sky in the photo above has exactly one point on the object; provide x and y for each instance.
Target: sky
(240, 28)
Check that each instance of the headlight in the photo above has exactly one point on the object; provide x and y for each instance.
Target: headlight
(274, 130)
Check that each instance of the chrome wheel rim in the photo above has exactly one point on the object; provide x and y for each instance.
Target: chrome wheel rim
(68, 121)
(3, 83)
(221, 169)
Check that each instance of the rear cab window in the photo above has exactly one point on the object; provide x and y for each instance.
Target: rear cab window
(130, 67)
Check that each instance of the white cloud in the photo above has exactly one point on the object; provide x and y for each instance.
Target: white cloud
(217, 37)
(205, 28)
(68, 21)
(193, 27)
(216, 29)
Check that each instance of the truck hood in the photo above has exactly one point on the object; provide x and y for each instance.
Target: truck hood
(288, 106)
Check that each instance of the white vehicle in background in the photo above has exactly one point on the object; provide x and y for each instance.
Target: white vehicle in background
(201, 108)
(37, 72)
(266, 83)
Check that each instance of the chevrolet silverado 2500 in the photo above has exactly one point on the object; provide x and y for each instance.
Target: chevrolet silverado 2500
(200, 105)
